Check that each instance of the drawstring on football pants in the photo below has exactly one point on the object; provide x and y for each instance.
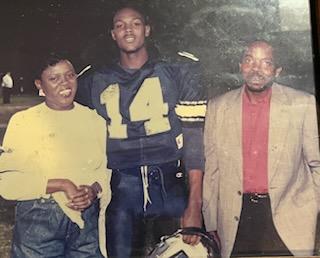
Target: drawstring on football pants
(145, 183)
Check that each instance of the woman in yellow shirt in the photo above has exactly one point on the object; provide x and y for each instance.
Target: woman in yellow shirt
(54, 165)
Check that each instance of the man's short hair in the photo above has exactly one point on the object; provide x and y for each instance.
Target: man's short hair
(275, 51)
(136, 7)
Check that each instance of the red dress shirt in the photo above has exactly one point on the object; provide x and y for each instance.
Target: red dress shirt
(255, 132)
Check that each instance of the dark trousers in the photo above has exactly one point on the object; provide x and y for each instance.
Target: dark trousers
(256, 235)
(127, 221)
(6, 93)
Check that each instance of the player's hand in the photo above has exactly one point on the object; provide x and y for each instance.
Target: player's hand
(191, 218)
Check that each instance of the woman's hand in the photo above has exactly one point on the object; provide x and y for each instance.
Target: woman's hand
(85, 196)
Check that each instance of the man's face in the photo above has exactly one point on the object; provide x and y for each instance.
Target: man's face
(59, 84)
(257, 66)
(129, 30)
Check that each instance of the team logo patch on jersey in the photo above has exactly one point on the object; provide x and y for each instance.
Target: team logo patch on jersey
(179, 141)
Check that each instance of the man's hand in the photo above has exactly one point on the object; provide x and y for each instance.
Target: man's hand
(192, 218)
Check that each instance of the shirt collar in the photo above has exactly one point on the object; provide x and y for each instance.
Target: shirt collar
(263, 97)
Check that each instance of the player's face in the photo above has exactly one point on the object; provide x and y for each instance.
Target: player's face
(257, 67)
(59, 84)
(129, 30)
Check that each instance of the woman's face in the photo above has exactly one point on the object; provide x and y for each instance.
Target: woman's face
(59, 84)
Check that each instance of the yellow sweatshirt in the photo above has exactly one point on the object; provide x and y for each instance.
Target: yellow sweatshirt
(42, 144)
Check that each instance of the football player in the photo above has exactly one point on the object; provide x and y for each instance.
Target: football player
(154, 113)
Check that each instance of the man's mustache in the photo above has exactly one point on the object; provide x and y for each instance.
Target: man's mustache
(257, 75)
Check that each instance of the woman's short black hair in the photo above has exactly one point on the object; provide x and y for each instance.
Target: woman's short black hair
(47, 61)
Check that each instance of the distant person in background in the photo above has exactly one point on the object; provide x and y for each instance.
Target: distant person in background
(7, 85)
(54, 165)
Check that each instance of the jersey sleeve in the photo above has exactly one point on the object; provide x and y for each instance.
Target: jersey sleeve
(193, 150)
(191, 109)
(84, 93)
(191, 106)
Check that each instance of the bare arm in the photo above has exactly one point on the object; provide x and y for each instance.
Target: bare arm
(80, 197)
(193, 159)
(192, 216)
(62, 185)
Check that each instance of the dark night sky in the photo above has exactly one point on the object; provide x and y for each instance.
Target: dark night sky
(30, 29)
(80, 29)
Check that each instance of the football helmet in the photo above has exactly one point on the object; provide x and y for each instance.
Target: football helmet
(173, 246)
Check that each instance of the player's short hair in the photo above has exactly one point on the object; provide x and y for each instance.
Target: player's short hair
(136, 7)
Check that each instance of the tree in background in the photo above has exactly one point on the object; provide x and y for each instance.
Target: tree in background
(216, 30)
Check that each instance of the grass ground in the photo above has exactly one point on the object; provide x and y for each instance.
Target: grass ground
(6, 225)
(7, 207)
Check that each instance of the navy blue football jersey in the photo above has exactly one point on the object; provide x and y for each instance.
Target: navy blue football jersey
(145, 109)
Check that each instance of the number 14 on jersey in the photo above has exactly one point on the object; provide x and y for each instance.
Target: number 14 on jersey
(147, 106)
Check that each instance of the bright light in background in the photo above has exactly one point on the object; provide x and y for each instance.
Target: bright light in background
(294, 15)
